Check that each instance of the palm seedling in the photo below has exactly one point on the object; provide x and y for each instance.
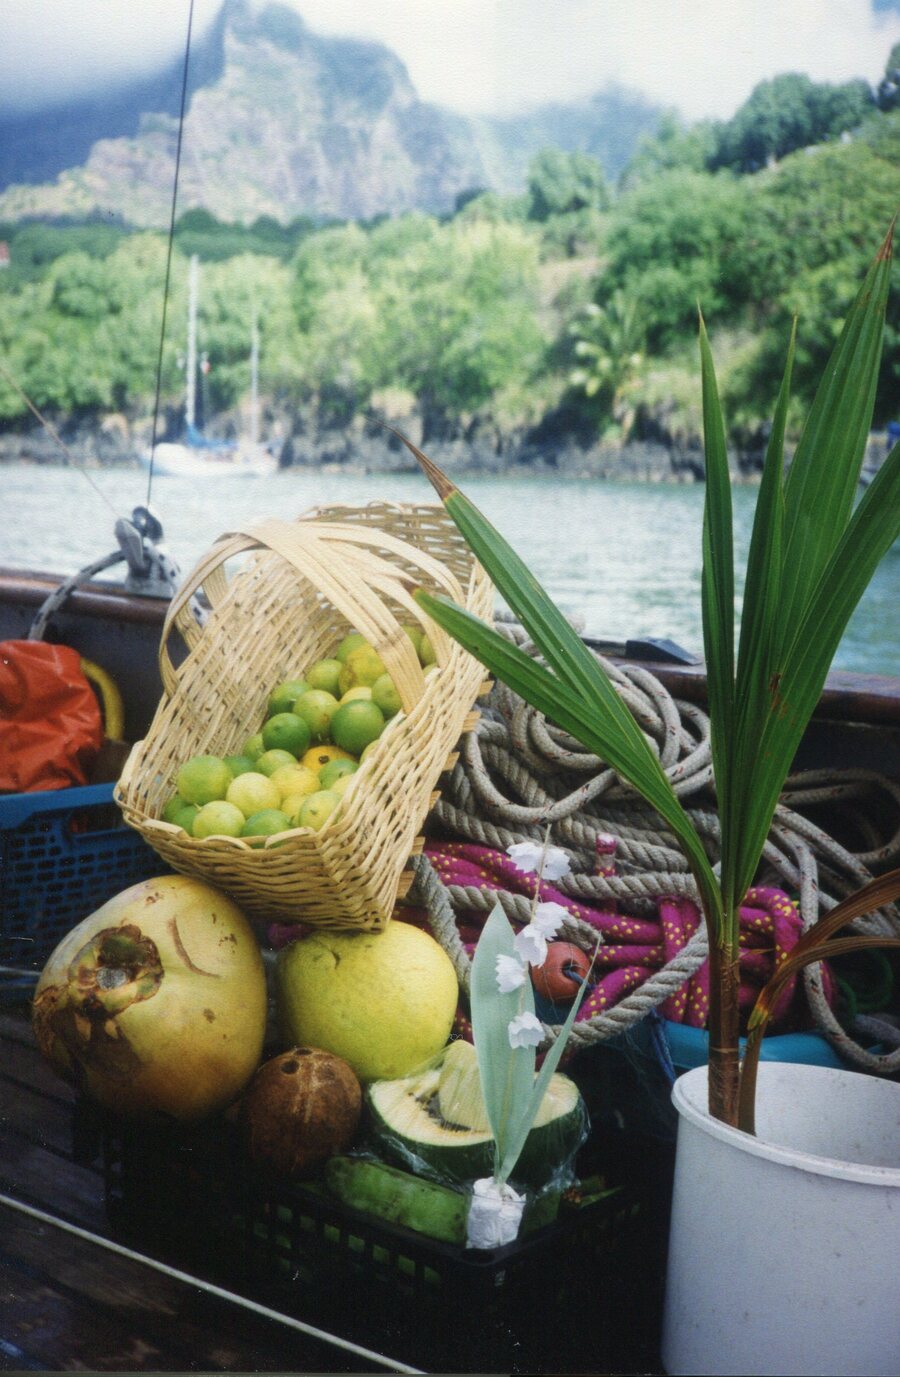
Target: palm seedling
(812, 554)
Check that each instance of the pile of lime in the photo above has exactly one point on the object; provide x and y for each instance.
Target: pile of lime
(295, 771)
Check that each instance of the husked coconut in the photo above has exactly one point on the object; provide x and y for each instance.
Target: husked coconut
(299, 1109)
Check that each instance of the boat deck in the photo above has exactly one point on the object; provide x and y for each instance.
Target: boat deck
(71, 1298)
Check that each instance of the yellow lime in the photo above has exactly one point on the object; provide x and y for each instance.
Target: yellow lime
(293, 780)
(270, 761)
(316, 708)
(317, 809)
(324, 675)
(334, 770)
(268, 822)
(368, 751)
(351, 642)
(385, 696)
(355, 725)
(203, 779)
(253, 791)
(340, 786)
(218, 819)
(362, 692)
(317, 756)
(238, 764)
(174, 806)
(362, 666)
(286, 732)
(184, 818)
(253, 746)
(283, 698)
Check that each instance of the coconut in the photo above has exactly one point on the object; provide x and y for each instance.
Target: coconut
(299, 1109)
(156, 1003)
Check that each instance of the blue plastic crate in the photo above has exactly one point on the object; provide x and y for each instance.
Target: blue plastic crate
(63, 853)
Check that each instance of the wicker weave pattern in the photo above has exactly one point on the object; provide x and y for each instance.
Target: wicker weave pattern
(303, 586)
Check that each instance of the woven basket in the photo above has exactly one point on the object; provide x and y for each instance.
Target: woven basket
(303, 586)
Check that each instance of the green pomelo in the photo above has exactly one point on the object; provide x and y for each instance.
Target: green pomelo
(411, 1119)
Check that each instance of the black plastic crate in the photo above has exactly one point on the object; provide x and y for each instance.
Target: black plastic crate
(63, 853)
(552, 1301)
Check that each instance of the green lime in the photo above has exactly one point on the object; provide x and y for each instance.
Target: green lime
(238, 764)
(252, 791)
(426, 652)
(351, 642)
(334, 770)
(268, 822)
(317, 809)
(415, 634)
(270, 761)
(253, 746)
(385, 696)
(355, 725)
(340, 786)
(325, 675)
(173, 807)
(203, 779)
(362, 692)
(218, 819)
(286, 732)
(283, 698)
(316, 708)
(184, 818)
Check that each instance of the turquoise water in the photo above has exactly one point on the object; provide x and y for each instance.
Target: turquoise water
(626, 557)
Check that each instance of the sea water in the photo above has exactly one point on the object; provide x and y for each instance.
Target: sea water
(625, 557)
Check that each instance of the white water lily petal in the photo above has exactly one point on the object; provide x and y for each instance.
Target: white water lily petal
(510, 974)
(531, 945)
(548, 918)
(525, 1031)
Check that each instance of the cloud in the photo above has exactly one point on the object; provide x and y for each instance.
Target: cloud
(497, 56)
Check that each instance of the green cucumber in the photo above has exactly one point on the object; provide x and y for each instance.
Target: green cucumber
(399, 1197)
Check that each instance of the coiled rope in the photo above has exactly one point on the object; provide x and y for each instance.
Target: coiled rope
(517, 773)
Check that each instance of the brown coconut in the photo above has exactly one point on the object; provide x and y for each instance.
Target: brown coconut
(299, 1108)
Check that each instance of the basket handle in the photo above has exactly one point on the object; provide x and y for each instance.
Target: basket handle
(354, 577)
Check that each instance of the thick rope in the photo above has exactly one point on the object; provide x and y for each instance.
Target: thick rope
(518, 773)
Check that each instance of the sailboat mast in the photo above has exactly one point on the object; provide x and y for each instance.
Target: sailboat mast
(254, 380)
(190, 409)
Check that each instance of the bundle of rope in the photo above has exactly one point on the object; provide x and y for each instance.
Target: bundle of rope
(518, 776)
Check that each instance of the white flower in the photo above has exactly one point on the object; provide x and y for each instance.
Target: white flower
(510, 974)
(495, 1213)
(548, 919)
(531, 945)
(550, 862)
(525, 1031)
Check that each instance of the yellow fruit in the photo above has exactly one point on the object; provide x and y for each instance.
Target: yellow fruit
(270, 761)
(218, 819)
(383, 1001)
(362, 666)
(318, 756)
(340, 785)
(362, 692)
(356, 725)
(203, 779)
(293, 781)
(156, 1003)
(385, 696)
(316, 708)
(317, 809)
(324, 675)
(253, 791)
(350, 642)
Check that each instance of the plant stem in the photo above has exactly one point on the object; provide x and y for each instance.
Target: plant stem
(724, 1059)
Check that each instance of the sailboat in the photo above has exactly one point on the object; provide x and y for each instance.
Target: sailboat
(197, 455)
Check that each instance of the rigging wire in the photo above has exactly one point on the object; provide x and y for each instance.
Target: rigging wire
(171, 241)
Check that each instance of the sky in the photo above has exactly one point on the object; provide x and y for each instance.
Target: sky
(485, 56)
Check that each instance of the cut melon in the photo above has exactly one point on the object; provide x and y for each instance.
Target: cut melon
(436, 1119)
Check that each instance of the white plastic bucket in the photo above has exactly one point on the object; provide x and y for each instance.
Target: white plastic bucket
(784, 1250)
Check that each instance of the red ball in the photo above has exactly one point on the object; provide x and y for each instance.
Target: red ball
(561, 974)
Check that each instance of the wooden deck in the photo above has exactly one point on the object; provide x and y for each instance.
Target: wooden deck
(68, 1302)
